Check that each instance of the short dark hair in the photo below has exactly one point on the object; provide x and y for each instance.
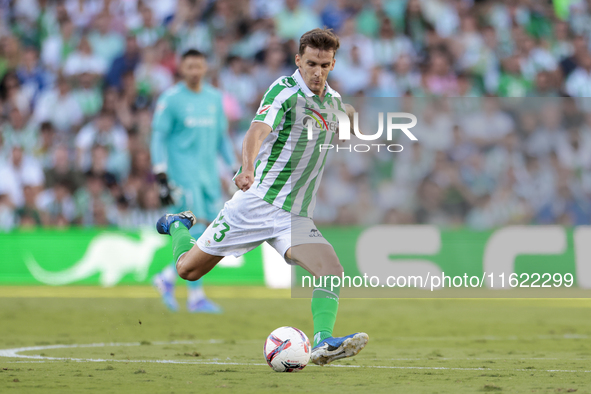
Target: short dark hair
(46, 126)
(323, 39)
(192, 53)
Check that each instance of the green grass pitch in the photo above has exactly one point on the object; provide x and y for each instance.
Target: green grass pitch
(416, 345)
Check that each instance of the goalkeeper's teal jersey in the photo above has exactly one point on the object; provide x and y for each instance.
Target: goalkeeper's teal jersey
(189, 130)
(289, 166)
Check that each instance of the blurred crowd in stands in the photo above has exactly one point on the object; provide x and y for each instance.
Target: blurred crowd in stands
(79, 80)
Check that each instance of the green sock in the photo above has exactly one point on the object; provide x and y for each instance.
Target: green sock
(325, 303)
(181, 240)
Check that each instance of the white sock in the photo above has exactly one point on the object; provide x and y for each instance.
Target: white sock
(169, 274)
(195, 294)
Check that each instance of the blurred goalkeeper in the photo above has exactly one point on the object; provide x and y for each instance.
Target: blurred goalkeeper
(189, 130)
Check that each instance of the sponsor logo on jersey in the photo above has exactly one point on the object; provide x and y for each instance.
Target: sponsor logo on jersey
(264, 109)
(314, 233)
(198, 122)
(317, 116)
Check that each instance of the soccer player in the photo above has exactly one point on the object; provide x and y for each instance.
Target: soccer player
(280, 173)
(189, 130)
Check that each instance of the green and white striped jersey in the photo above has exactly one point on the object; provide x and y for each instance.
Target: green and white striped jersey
(289, 166)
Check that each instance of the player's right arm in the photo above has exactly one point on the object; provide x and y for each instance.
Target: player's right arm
(278, 100)
(251, 146)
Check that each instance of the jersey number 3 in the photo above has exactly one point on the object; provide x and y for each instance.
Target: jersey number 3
(218, 237)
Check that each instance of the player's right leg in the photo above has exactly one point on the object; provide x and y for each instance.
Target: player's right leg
(191, 262)
(320, 260)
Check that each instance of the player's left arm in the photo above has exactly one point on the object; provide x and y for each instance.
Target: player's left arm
(162, 125)
(350, 114)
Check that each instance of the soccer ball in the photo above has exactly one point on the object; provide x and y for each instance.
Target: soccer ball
(287, 349)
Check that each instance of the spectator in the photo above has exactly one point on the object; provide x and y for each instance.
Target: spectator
(58, 46)
(18, 132)
(389, 46)
(152, 78)
(56, 205)
(50, 106)
(416, 25)
(45, 146)
(62, 171)
(534, 58)
(335, 14)
(82, 12)
(439, 79)
(544, 85)
(148, 33)
(106, 43)
(273, 67)
(93, 202)
(7, 217)
(295, 20)
(349, 37)
(580, 51)
(88, 95)
(407, 78)
(235, 80)
(32, 76)
(565, 208)
(83, 60)
(105, 132)
(27, 214)
(561, 46)
(352, 76)
(13, 96)
(124, 63)
(512, 83)
(578, 84)
(10, 54)
(489, 126)
(21, 170)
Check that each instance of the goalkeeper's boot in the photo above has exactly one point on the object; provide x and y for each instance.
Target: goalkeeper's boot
(187, 218)
(203, 305)
(166, 290)
(333, 348)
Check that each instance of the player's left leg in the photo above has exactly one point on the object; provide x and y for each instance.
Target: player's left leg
(197, 301)
(320, 260)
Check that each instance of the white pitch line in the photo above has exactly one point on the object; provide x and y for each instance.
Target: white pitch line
(492, 338)
(14, 353)
(312, 365)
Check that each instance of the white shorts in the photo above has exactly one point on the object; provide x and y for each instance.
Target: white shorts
(246, 221)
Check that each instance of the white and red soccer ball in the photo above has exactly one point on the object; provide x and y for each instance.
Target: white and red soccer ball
(287, 349)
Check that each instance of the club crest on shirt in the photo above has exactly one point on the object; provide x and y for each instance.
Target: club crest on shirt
(161, 106)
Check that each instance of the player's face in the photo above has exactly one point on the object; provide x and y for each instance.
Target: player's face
(193, 69)
(314, 65)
